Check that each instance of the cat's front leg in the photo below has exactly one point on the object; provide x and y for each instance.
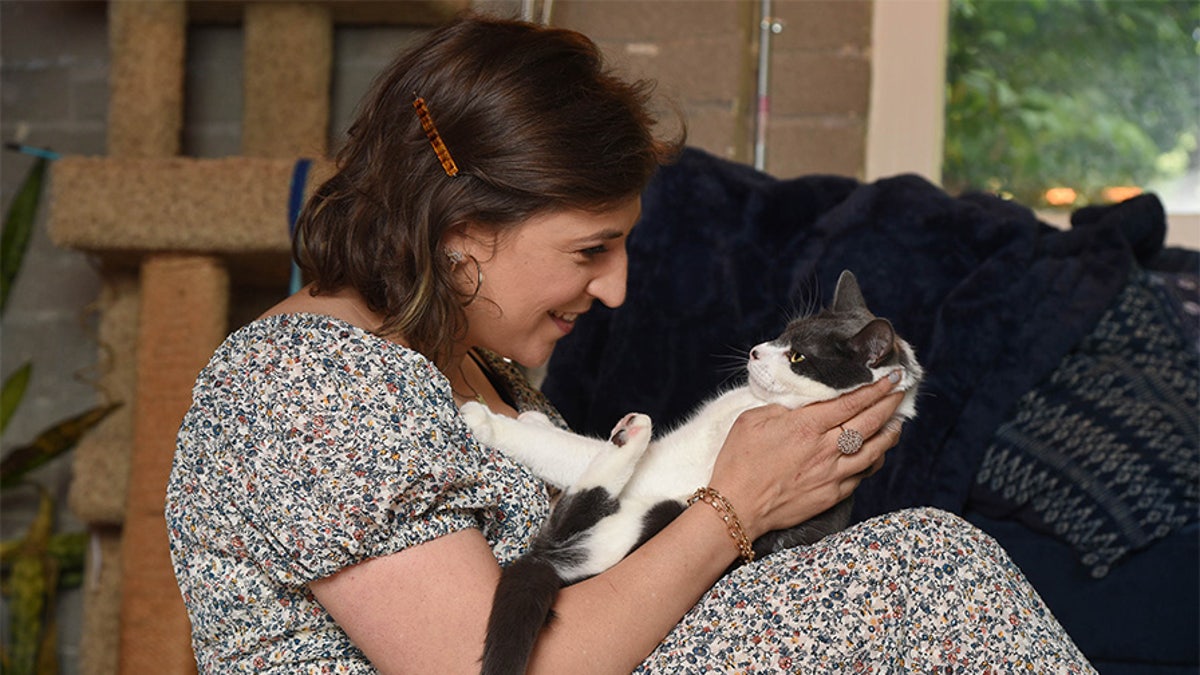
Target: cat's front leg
(535, 417)
(479, 418)
(555, 455)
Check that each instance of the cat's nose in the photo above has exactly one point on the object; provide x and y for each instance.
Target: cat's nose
(754, 354)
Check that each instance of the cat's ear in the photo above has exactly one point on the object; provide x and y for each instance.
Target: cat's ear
(847, 297)
(875, 342)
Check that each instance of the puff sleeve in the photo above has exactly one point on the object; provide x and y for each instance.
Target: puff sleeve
(322, 453)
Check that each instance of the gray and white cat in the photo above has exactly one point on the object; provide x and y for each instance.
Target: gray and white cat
(620, 492)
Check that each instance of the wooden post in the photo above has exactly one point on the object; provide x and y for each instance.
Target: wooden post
(145, 120)
(286, 76)
(183, 318)
(145, 110)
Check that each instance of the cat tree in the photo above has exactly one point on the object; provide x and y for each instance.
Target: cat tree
(169, 232)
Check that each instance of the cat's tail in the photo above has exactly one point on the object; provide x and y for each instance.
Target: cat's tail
(520, 609)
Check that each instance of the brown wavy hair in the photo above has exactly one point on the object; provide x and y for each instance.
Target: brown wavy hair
(535, 121)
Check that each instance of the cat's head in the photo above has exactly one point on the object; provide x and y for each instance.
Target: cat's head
(823, 355)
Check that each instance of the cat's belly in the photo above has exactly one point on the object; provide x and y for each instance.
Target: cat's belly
(682, 460)
(660, 478)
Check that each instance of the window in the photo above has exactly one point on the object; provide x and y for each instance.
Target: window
(1056, 103)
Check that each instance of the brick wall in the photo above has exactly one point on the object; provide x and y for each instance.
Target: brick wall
(704, 57)
(820, 86)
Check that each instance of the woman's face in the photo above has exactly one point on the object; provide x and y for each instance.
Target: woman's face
(540, 276)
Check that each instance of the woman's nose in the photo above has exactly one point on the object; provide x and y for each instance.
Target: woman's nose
(609, 286)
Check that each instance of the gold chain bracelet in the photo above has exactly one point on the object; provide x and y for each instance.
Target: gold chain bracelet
(725, 509)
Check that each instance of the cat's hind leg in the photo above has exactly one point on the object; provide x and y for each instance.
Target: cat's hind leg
(612, 469)
(560, 552)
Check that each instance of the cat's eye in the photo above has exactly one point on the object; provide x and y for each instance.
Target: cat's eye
(795, 357)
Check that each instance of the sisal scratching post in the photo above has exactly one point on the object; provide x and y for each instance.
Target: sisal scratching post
(182, 320)
(228, 205)
(147, 41)
(288, 61)
(100, 468)
(168, 215)
(101, 602)
(145, 114)
(100, 474)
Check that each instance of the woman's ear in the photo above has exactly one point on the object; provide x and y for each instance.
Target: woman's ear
(465, 240)
(454, 243)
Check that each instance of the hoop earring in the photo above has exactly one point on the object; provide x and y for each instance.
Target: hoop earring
(478, 280)
(456, 258)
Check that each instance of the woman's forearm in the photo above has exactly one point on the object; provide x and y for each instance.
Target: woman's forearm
(611, 622)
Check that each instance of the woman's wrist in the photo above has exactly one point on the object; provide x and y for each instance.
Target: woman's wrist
(728, 514)
(748, 500)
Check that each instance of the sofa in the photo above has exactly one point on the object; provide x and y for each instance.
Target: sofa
(1059, 410)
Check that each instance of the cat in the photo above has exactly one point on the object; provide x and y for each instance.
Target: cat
(620, 492)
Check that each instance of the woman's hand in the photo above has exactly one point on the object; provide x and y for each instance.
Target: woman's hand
(780, 467)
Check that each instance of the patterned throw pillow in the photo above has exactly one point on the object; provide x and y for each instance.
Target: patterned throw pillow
(1105, 453)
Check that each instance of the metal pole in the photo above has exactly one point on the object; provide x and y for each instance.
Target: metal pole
(766, 27)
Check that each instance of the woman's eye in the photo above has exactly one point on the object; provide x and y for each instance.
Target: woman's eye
(795, 357)
(593, 251)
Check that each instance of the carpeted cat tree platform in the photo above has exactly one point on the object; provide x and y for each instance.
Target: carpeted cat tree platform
(170, 232)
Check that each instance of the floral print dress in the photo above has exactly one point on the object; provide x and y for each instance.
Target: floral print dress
(312, 445)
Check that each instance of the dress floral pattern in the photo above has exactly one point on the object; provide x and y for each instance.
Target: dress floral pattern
(310, 446)
(916, 591)
(313, 445)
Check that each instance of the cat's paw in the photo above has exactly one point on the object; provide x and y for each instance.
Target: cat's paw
(634, 427)
(479, 419)
(535, 417)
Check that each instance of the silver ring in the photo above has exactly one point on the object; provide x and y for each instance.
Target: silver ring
(849, 441)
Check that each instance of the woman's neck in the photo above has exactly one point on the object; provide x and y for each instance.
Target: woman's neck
(345, 304)
(470, 382)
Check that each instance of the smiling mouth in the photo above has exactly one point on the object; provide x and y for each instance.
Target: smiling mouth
(564, 320)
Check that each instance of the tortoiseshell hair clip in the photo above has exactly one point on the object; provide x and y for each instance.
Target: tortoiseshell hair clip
(435, 139)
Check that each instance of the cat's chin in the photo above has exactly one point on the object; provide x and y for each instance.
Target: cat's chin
(786, 397)
(759, 391)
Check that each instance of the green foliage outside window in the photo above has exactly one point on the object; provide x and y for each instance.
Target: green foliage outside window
(1084, 94)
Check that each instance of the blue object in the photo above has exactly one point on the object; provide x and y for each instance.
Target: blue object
(44, 153)
(295, 203)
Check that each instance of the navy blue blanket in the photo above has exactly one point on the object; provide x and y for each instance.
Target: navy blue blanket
(991, 298)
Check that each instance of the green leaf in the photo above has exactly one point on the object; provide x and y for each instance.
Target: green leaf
(18, 227)
(13, 392)
(52, 443)
(28, 591)
(47, 652)
(69, 549)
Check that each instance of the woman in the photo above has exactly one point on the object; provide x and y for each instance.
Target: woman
(329, 512)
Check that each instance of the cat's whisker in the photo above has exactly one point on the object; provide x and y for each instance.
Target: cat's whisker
(732, 364)
(806, 301)
(731, 369)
